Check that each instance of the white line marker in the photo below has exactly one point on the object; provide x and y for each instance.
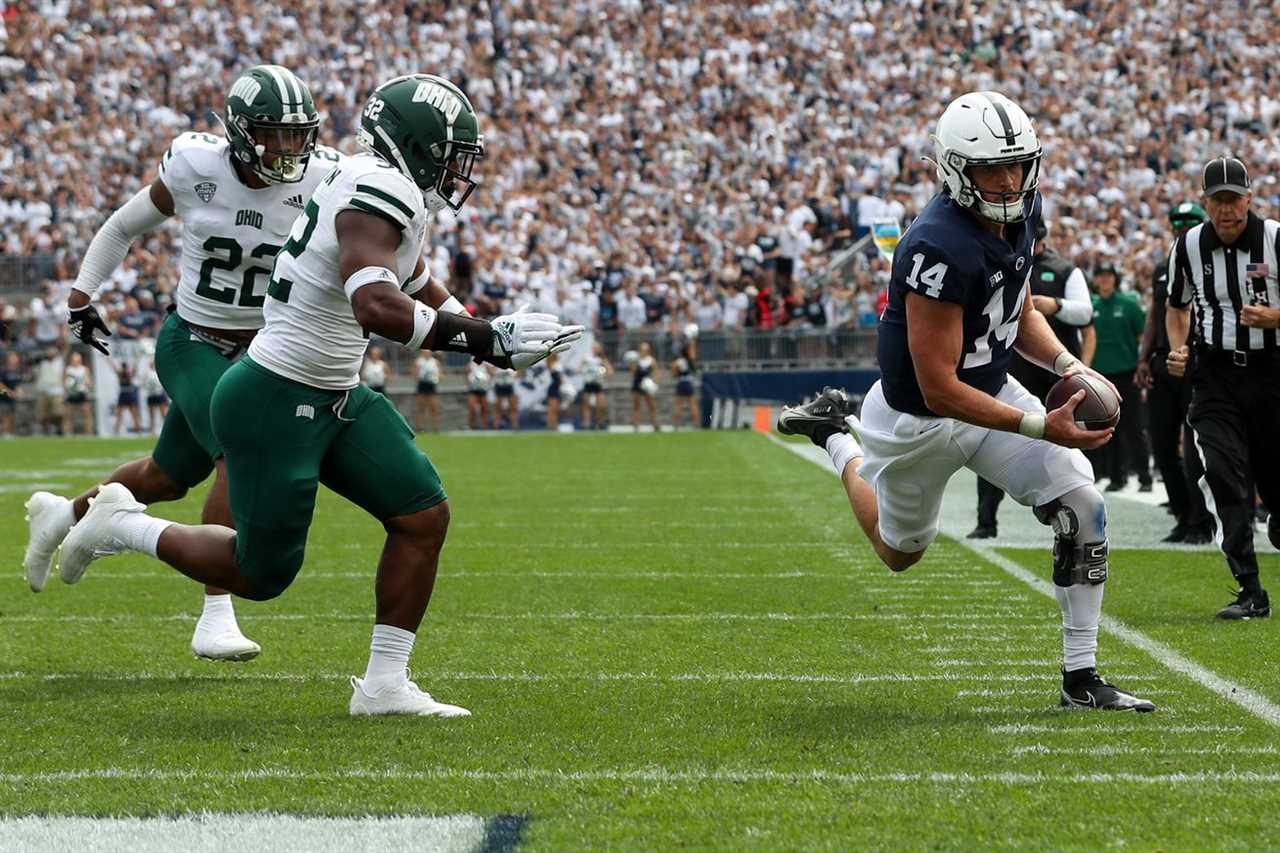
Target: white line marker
(1036, 728)
(602, 677)
(1252, 701)
(570, 616)
(204, 833)
(1221, 749)
(655, 775)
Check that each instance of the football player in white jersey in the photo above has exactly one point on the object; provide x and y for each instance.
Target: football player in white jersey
(237, 198)
(352, 266)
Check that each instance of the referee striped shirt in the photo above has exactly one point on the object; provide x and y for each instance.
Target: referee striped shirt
(1221, 279)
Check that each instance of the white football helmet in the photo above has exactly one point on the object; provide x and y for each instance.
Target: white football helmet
(987, 129)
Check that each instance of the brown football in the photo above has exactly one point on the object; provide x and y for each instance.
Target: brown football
(1100, 407)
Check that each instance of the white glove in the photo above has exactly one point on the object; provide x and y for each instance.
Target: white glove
(522, 339)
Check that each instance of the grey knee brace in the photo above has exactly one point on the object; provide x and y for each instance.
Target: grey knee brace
(1079, 522)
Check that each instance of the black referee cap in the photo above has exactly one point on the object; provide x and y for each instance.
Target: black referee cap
(1226, 173)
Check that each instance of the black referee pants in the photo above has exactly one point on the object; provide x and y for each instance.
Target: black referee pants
(1127, 450)
(1167, 402)
(1235, 414)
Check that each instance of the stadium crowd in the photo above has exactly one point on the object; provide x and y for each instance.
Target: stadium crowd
(648, 164)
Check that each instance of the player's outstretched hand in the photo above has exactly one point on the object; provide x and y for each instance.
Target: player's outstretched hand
(84, 321)
(1060, 427)
(524, 338)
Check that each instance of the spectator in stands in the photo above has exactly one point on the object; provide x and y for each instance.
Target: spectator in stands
(127, 399)
(50, 409)
(426, 401)
(644, 388)
(12, 377)
(78, 384)
(376, 370)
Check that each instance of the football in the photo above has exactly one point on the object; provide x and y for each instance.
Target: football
(1098, 410)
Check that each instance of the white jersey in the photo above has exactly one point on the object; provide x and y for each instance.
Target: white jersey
(76, 379)
(375, 373)
(311, 334)
(505, 378)
(230, 232)
(428, 369)
(478, 377)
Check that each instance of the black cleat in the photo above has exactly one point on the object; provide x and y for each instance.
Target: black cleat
(1145, 487)
(1116, 485)
(1084, 688)
(982, 531)
(826, 412)
(1197, 536)
(1248, 605)
(1177, 534)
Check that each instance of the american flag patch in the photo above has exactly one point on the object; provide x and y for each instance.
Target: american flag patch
(1257, 270)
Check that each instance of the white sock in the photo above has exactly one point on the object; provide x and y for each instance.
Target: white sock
(1081, 609)
(843, 449)
(218, 616)
(388, 657)
(139, 531)
(66, 515)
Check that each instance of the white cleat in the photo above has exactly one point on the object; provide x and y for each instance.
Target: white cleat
(229, 646)
(92, 536)
(405, 698)
(46, 528)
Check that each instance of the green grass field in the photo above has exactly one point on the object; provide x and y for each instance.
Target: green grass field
(666, 640)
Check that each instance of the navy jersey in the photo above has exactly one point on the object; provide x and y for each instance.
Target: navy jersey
(947, 255)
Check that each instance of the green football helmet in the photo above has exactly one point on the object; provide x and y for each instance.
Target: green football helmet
(425, 127)
(1187, 214)
(271, 123)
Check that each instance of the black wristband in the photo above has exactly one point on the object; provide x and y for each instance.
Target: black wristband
(461, 333)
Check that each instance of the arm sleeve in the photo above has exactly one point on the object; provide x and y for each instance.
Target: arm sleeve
(110, 245)
(1076, 308)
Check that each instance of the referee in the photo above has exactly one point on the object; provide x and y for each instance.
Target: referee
(1226, 268)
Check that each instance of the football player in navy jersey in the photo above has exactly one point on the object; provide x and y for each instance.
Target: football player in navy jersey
(958, 306)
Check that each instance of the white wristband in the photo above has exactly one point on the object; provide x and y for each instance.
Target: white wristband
(1031, 425)
(453, 306)
(424, 317)
(370, 275)
(413, 285)
(1064, 360)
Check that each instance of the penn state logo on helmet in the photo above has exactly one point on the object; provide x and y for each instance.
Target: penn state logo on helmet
(987, 129)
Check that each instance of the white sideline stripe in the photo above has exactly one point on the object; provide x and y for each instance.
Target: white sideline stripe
(571, 616)
(1036, 728)
(165, 573)
(637, 774)
(428, 677)
(1041, 749)
(1253, 702)
(206, 833)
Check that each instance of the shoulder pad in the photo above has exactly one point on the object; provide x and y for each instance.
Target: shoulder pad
(383, 192)
(193, 155)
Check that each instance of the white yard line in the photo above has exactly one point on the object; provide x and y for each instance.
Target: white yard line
(207, 833)
(1253, 702)
(655, 775)
(950, 619)
(164, 573)
(1108, 727)
(1221, 749)
(427, 677)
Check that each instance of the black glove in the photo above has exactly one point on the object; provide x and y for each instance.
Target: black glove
(84, 322)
